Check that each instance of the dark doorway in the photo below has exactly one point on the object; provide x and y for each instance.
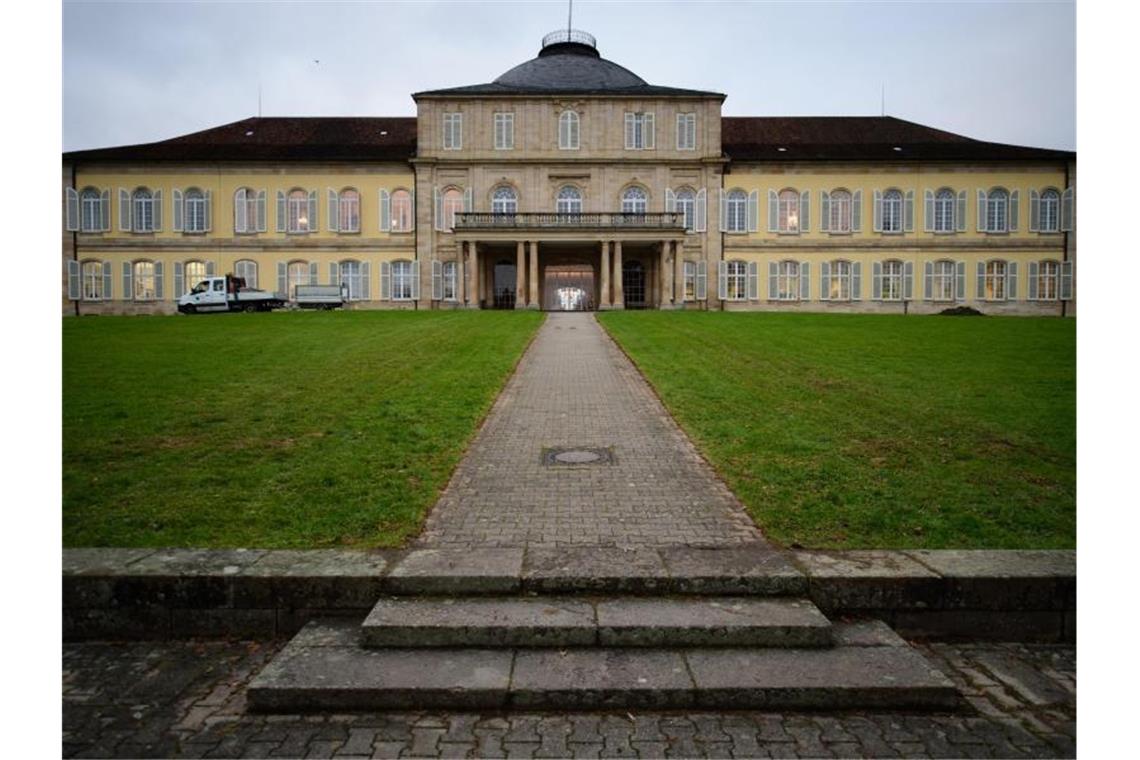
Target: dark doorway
(505, 284)
(633, 284)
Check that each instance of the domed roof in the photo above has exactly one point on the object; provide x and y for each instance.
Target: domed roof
(569, 60)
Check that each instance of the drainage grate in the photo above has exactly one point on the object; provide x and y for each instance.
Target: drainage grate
(575, 456)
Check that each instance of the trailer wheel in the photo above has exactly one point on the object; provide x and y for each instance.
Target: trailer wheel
(250, 308)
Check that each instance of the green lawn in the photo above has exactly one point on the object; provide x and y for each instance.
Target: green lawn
(851, 431)
(272, 430)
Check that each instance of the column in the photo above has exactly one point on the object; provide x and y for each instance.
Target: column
(534, 304)
(679, 274)
(666, 277)
(461, 273)
(475, 275)
(619, 294)
(520, 276)
(604, 301)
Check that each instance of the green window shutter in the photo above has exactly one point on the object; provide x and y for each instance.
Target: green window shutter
(773, 283)
(73, 286)
(877, 281)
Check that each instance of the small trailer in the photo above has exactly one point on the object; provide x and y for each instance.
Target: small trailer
(227, 293)
(319, 296)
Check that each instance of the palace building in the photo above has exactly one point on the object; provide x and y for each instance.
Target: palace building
(570, 183)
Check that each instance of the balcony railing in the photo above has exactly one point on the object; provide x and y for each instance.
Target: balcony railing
(669, 220)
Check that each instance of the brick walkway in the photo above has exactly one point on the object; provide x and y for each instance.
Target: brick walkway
(574, 388)
(185, 699)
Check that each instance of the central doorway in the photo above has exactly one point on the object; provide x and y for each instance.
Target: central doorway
(568, 287)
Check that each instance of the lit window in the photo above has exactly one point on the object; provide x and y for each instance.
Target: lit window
(736, 283)
(143, 277)
(142, 206)
(402, 276)
(891, 281)
(634, 201)
(298, 274)
(401, 211)
(195, 215)
(91, 211)
(568, 131)
(449, 281)
(245, 269)
(789, 211)
(569, 200)
(686, 204)
(1050, 211)
(93, 281)
(997, 211)
(639, 131)
(504, 201)
(943, 283)
(686, 131)
(893, 211)
(504, 131)
(736, 211)
(839, 211)
(348, 208)
(788, 281)
(839, 281)
(995, 281)
(452, 131)
(297, 211)
(944, 202)
(194, 272)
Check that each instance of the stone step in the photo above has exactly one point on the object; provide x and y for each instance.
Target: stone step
(325, 668)
(607, 622)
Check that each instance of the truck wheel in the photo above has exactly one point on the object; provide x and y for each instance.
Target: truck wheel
(250, 308)
(191, 309)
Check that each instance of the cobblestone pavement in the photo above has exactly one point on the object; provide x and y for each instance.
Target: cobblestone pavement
(574, 388)
(186, 699)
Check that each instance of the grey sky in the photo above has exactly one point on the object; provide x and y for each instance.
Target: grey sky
(137, 72)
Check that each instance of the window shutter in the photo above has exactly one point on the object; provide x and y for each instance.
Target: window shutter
(928, 287)
(1066, 280)
(437, 280)
(209, 210)
(857, 281)
(313, 204)
(670, 201)
(415, 280)
(314, 273)
(877, 213)
(365, 281)
(825, 280)
(209, 269)
(72, 210)
(159, 280)
(179, 287)
(908, 280)
(857, 211)
(824, 212)
(156, 210)
(334, 211)
(281, 213)
(1067, 210)
(385, 281)
(908, 211)
(1014, 210)
(928, 210)
(1011, 281)
(241, 217)
(105, 209)
(722, 280)
(773, 211)
(960, 281)
(176, 202)
(754, 211)
(73, 291)
(468, 200)
(128, 286)
(385, 211)
(107, 277)
(805, 211)
(1032, 291)
(702, 281)
(773, 283)
(629, 138)
(981, 211)
(723, 211)
(282, 280)
(981, 281)
(805, 281)
(124, 210)
(334, 273)
(438, 215)
(702, 210)
(261, 220)
(753, 281)
(1034, 210)
(960, 211)
(649, 131)
(876, 281)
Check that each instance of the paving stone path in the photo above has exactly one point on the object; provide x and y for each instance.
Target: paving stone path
(575, 389)
(187, 699)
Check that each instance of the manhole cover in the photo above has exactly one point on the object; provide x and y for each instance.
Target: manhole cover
(570, 456)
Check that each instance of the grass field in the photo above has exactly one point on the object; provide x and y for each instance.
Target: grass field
(851, 431)
(272, 430)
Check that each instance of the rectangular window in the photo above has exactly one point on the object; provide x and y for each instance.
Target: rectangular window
(1047, 281)
(144, 281)
(504, 131)
(943, 285)
(452, 131)
(686, 131)
(891, 282)
(639, 131)
(839, 286)
(402, 280)
(93, 281)
(449, 281)
(788, 281)
(690, 280)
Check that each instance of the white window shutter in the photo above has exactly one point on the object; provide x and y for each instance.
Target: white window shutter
(773, 211)
(805, 281)
(1067, 210)
(415, 280)
(179, 286)
(722, 280)
(156, 210)
(877, 213)
(241, 215)
(981, 211)
(261, 215)
(334, 273)
(1014, 210)
(365, 281)
(385, 211)
(107, 277)
(908, 280)
(805, 211)
(825, 281)
(702, 288)
(313, 209)
(1033, 273)
(438, 215)
(877, 281)
(629, 131)
(334, 211)
(928, 286)
(1066, 289)
(385, 281)
(960, 211)
(649, 131)
(857, 281)
(773, 281)
(209, 269)
(468, 200)
(908, 211)
(753, 281)
(702, 210)
(124, 210)
(857, 211)
(437, 280)
(960, 281)
(72, 210)
(723, 211)
(314, 273)
(928, 210)
(105, 209)
(980, 283)
(159, 281)
(282, 214)
(824, 211)
(209, 210)
(1034, 210)
(177, 209)
(670, 201)
(73, 289)
(1011, 281)
(282, 280)
(128, 285)
(754, 211)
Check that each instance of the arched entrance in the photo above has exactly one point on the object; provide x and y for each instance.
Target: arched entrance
(568, 287)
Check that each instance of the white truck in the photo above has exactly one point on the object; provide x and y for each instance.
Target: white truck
(227, 293)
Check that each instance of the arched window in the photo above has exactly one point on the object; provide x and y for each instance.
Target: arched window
(892, 211)
(789, 211)
(193, 272)
(568, 132)
(504, 201)
(994, 281)
(839, 211)
(92, 283)
(1050, 211)
(247, 270)
(944, 220)
(297, 212)
(90, 210)
(402, 277)
(298, 274)
(348, 211)
(736, 211)
(142, 208)
(1047, 277)
(195, 205)
(839, 281)
(997, 210)
(143, 277)
(246, 212)
(891, 281)
(569, 200)
(943, 282)
(401, 211)
(737, 280)
(352, 278)
(788, 281)
(634, 201)
(452, 204)
(686, 204)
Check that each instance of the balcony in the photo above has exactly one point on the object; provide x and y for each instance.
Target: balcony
(483, 221)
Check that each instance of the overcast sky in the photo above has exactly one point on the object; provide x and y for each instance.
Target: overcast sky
(138, 72)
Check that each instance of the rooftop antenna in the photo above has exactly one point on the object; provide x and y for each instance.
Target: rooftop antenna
(570, 21)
